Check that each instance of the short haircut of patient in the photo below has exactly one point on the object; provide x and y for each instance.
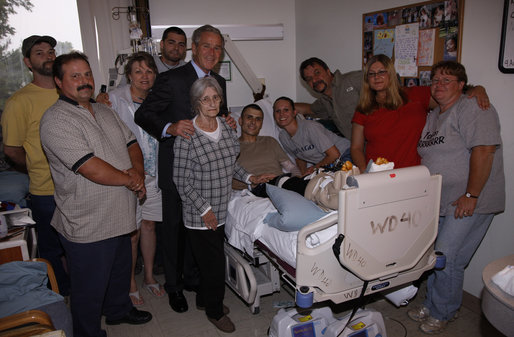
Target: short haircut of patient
(251, 106)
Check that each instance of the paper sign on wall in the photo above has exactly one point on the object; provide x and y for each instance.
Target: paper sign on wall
(426, 47)
(406, 49)
(384, 42)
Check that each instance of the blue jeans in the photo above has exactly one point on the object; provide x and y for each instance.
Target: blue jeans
(49, 246)
(458, 239)
(14, 187)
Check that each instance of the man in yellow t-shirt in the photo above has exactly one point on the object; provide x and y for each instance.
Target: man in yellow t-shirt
(20, 127)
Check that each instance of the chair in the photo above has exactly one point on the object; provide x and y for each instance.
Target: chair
(31, 322)
(27, 323)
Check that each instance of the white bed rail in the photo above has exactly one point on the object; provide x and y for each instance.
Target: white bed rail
(239, 275)
(386, 256)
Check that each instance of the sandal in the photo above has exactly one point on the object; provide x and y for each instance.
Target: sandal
(155, 289)
(136, 298)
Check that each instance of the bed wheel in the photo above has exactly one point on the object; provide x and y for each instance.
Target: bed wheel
(256, 310)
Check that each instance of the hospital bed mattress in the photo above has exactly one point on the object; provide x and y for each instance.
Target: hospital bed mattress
(245, 226)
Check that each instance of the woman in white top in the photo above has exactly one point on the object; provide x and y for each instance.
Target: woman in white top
(141, 72)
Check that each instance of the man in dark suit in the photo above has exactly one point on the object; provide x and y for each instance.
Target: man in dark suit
(165, 114)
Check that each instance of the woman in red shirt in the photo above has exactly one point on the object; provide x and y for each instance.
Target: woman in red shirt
(389, 118)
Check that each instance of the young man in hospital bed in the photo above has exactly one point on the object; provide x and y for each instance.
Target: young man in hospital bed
(263, 154)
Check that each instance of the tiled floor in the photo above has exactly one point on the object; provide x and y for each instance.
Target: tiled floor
(166, 322)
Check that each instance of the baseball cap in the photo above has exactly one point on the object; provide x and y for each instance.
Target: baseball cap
(29, 42)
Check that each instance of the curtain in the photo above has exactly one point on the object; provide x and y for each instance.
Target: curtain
(103, 36)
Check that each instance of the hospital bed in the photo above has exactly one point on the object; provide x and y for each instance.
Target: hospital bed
(384, 229)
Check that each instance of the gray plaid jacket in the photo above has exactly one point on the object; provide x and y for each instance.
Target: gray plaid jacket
(203, 171)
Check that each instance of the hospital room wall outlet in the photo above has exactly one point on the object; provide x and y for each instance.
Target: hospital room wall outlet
(321, 322)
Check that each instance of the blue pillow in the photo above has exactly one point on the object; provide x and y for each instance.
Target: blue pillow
(294, 211)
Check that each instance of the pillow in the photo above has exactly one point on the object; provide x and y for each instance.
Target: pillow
(294, 211)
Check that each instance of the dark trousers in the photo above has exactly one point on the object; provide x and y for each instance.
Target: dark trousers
(178, 261)
(209, 254)
(49, 246)
(100, 282)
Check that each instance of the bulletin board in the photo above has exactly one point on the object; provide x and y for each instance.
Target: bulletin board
(415, 37)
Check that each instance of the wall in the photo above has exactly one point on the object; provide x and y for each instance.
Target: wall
(332, 30)
(271, 60)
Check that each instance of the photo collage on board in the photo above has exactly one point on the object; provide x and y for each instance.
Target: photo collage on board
(440, 17)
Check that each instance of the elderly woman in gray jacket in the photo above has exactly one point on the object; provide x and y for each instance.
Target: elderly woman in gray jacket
(203, 167)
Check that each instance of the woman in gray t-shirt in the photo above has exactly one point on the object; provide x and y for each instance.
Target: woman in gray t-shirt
(463, 144)
(307, 141)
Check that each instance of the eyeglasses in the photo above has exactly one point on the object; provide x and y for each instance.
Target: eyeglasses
(442, 81)
(209, 100)
(380, 73)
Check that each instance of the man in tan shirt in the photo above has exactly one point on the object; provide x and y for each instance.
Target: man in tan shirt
(97, 168)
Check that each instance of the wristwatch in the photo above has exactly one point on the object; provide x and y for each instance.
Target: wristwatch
(469, 195)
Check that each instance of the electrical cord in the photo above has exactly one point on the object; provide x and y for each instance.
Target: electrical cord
(401, 324)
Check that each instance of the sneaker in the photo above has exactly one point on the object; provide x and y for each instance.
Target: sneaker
(419, 313)
(433, 326)
(224, 324)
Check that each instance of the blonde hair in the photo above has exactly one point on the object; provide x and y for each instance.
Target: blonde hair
(395, 96)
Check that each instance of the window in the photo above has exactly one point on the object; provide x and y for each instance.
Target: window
(58, 18)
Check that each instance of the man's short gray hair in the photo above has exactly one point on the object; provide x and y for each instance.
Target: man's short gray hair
(198, 89)
(206, 28)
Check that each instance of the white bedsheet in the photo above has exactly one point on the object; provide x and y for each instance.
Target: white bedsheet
(244, 226)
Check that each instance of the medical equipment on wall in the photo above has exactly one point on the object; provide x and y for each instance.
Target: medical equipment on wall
(116, 77)
(235, 32)
(137, 42)
(321, 322)
(116, 74)
(135, 32)
(150, 46)
(244, 68)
